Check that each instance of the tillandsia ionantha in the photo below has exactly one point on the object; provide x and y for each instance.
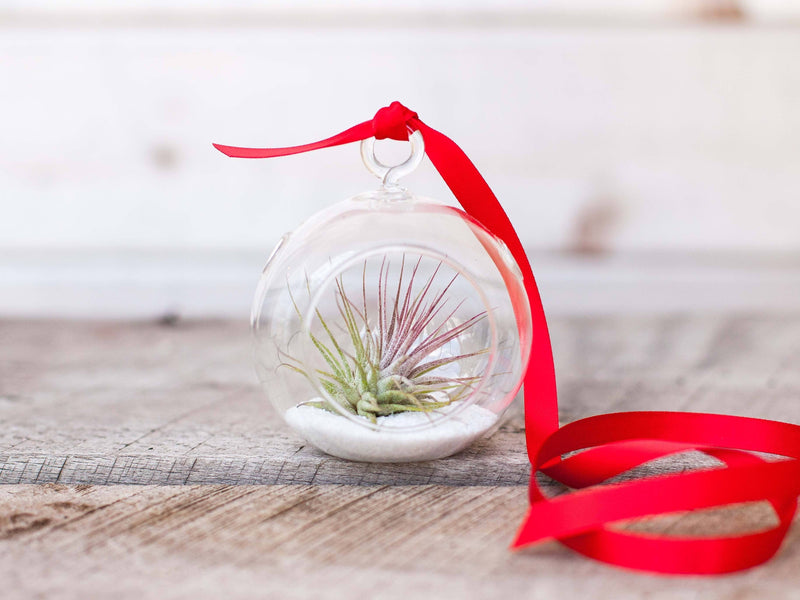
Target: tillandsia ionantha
(387, 362)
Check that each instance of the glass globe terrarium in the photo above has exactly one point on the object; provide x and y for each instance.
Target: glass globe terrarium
(391, 328)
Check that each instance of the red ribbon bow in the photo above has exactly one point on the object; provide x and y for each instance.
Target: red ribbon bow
(611, 443)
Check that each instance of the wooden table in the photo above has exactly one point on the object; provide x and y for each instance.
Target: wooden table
(143, 461)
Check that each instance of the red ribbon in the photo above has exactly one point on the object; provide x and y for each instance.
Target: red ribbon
(612, 443)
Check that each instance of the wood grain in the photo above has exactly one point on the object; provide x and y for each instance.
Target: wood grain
(150, 403)
(332, 541)
(177, 403)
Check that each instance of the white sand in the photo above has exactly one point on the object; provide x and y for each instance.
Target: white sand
(340, 436)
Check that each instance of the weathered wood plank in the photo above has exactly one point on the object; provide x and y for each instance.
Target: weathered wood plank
(336, 542)
(307, 466)
(636, 130)
(149, 403)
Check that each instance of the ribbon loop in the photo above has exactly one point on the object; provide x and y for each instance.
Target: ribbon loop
(615, 442)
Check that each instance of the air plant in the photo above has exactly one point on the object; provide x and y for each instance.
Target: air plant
(389, 361)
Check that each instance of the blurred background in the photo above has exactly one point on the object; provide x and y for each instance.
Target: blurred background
(648, 152)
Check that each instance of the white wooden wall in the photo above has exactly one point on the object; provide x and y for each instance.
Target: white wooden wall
(653, 135)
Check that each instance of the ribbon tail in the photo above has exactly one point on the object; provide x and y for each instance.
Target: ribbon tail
(354, 134)
(476, 197)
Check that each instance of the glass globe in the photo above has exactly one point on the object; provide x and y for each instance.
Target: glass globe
(391, 328)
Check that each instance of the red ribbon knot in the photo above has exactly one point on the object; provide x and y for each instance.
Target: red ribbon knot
(392, 122)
